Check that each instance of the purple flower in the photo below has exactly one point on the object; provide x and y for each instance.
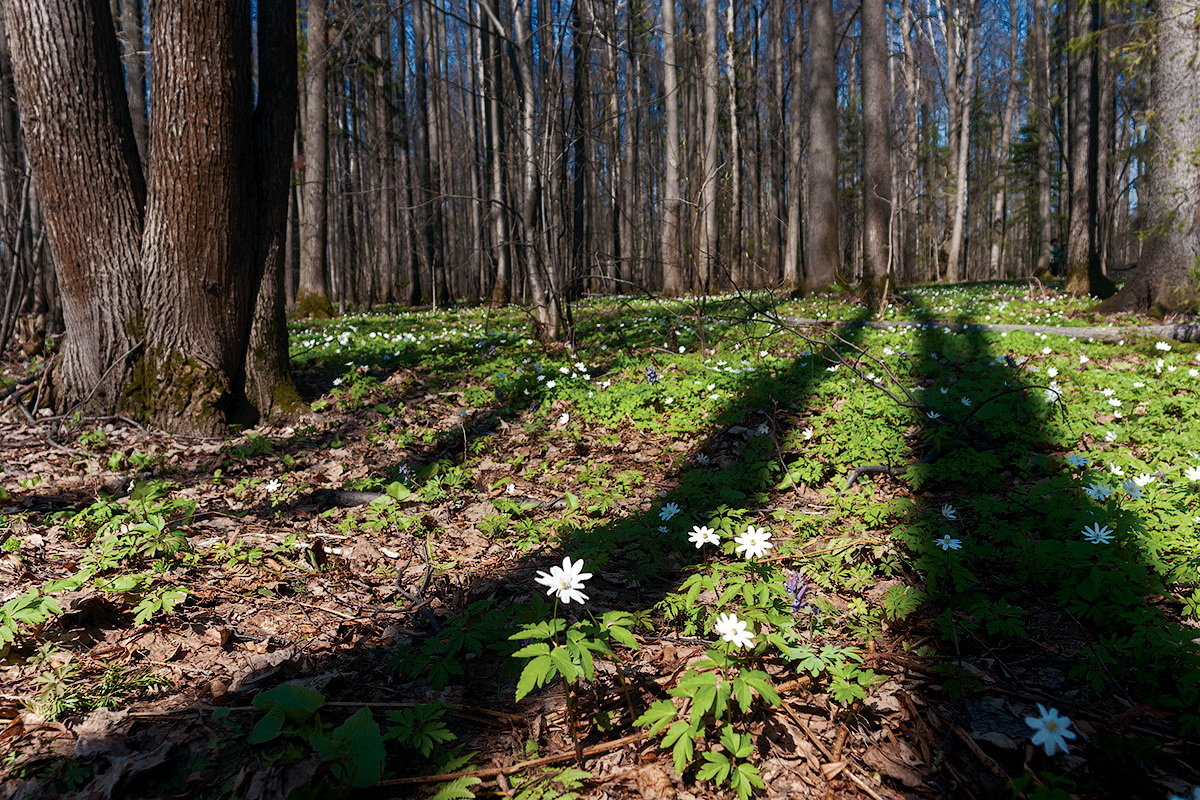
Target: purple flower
(797, 587)
(651, 375)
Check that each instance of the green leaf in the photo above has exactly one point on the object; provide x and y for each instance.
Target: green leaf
(298, 703)
(658, 716)
(534, 649)
(563, 663)
(716, 767)
(536, 673)
(267, 728)
(362, 744)
(457, 789)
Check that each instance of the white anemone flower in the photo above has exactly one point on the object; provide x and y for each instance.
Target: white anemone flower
(1051, 730)
(754, 542)
(733, 630)
(701, 535)
(565, 582)
(1097, 533)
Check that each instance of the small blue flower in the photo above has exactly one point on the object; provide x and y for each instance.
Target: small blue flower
(651, 375)
(668, 511)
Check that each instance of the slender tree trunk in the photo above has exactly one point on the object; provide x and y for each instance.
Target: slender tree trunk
(269, 384)
(709, 256)
(955, 265)
(795, 195)
(737, 246)
(135, 73)
(673, 277)
(1000, 196)
(877, 145)
(1041, 108)
(312, 295)
(823, 259)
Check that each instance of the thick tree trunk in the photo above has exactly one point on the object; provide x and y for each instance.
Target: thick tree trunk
(200, 278)
(1084, 273)
(1165, 280)
(72, 100)
(823, 256)
(158, 308)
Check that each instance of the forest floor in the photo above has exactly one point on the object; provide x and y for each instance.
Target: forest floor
(967, 533)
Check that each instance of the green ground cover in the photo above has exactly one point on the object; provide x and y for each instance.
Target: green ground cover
(819, 559)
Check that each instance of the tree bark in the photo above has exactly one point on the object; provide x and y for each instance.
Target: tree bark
(1165, 281)
(157, 287)
(823, 256)
(673, 278)
(312, 294)
(877, 146)
(269, 383)
(72, 99)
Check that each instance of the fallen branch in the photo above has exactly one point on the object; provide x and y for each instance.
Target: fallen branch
(871, 469)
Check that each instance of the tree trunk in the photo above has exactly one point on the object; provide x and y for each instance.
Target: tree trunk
(795, 150)
(673, 278)
(1165, 281)
(269, 383)
(157, 308)
(823, 256)
(955, 266)
(312, 295)
(135, 73)
(72, 100)
(1084, 274)
(709, 174)
(877, 145)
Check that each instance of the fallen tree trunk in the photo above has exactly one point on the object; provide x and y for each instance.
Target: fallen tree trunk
(1180, 331)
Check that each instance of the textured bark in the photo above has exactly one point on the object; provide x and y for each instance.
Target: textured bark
(199, 273)
(269, 384)
(877, 145)
(1041, 109)
(135, 74)
(312, 294)
(673, 278)
(823, 255)
(157, 287)
(1166, 278)
(69, 88)
(960, 103)
(1084, 271)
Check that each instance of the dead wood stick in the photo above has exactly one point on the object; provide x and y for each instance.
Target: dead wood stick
(871, 469)
(492, 772)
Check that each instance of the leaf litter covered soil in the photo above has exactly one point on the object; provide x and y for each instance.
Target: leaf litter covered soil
(382, 551)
